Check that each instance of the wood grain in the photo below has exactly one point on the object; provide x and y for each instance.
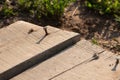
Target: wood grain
(20, 50)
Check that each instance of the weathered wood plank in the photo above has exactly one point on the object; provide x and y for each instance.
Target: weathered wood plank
(74, 64)
(20, 50)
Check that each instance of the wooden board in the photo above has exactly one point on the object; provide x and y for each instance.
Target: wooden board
(74, 64)
(20, 49)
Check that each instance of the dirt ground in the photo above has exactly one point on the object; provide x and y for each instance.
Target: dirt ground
(100, 30)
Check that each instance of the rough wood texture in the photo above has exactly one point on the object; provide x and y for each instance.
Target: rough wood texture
(74, 64)
(22, 45)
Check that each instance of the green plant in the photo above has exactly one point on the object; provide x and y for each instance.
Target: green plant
(35, 8)
(47, 8)
(54, 7)
(6, 11)
(105, 6)
(25, 4)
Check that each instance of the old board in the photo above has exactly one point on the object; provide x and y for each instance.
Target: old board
(23, 45)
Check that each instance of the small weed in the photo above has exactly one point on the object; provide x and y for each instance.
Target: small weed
(94, 41)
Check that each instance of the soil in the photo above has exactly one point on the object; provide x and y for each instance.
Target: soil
(101, 30)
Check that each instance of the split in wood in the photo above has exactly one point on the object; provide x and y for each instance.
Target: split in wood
(96, 56)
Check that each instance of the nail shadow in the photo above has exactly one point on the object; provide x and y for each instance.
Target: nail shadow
(41, 39)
